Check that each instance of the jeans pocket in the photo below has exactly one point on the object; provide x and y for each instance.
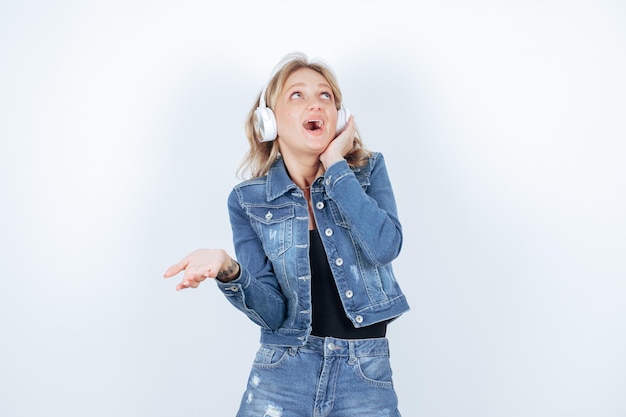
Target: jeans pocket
(270, 357)
(375, 370)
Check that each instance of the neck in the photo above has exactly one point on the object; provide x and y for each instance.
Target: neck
(303, 173)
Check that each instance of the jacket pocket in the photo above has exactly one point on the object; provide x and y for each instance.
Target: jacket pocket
(274, 226)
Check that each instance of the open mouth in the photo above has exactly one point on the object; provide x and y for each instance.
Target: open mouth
(313, 125)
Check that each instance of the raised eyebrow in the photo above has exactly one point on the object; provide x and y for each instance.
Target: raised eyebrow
(295, 85)
(323, 86)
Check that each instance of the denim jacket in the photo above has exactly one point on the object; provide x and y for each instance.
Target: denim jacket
(355, 212)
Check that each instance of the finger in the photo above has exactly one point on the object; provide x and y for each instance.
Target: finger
(176, 268)
(349, 131)
(192, 280)
(351, 127)
(200, 274)
(189, 282)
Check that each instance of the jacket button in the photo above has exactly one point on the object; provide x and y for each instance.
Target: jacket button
(349, 294)
(269, 216)
(359, 319)
(328, 232)
(338, 261)
(319, 205)
(328, 181)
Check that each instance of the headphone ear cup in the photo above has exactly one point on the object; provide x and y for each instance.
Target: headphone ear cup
(343, 114)
(266, 124)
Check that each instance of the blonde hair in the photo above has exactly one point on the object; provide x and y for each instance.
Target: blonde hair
(261, 155)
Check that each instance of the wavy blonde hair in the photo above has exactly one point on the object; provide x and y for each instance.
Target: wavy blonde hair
(261, 155)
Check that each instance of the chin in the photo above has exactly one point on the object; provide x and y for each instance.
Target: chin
(318, 144)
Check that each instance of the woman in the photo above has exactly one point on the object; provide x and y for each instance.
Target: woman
(315, 230)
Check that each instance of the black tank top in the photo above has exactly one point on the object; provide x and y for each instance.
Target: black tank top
(329, 318)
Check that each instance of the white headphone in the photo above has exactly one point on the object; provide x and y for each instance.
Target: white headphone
(265, 120)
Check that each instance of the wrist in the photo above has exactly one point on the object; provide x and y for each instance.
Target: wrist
(329, 160)
(230, 273)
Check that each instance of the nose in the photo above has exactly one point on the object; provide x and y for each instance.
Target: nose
(314, 105)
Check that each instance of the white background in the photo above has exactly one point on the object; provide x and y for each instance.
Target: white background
(503, 125)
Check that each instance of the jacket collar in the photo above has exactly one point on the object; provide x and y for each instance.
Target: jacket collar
(278, 180)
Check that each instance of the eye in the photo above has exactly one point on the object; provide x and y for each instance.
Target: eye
(327, 96)
(296, 94)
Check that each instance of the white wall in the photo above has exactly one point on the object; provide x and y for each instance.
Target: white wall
(503, 127)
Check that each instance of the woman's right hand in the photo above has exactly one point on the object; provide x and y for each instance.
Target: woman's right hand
(339, 147)
(202, 264)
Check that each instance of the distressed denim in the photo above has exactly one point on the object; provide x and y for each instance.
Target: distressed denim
(327, 377)
(356, 214)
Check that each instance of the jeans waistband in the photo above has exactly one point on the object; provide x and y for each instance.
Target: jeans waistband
(332, 346)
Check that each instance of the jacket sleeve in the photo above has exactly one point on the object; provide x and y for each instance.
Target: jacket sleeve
(256, 291)
(369, 211)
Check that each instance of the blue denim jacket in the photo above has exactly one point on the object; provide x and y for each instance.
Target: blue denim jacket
(355, 212)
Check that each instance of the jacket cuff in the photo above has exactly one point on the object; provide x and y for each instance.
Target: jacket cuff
(336, 172)
(236, 285)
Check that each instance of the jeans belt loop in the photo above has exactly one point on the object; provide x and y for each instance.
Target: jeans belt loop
(352, 349)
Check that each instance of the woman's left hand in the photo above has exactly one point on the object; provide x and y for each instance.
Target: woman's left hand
(202, 264)
(340, 146)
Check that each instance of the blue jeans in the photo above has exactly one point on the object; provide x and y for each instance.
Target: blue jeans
(327, 377)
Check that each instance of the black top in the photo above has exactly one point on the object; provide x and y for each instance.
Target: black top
(329, 317)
